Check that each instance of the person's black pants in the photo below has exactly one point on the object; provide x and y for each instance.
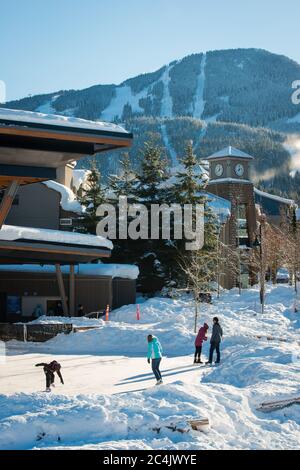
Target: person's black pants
(155, 368)
(198, 352)
(49, 378)
(213, 347)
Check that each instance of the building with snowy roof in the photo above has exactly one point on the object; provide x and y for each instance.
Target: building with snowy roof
(41, 149)
(230, 179)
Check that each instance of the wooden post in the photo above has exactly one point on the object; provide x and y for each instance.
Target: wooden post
(72, 291)
(62, 291)
(7, 200)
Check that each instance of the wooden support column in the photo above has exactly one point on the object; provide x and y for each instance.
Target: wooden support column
(62, 291)
(7, 200)
(72, 291)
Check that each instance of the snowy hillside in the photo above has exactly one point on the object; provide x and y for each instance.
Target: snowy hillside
(249, 86)
(229, 88)
(112, 403)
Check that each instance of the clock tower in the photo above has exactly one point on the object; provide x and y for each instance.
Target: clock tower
(229, 171)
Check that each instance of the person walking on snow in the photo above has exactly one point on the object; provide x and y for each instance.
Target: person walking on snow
(201, 336)
(49, 370)
(215, 340)
(155, 355)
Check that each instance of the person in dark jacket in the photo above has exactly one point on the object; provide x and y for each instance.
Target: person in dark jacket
(49, 370)
(59, 311)
(201, 336)
(215, 340)
(80, 311)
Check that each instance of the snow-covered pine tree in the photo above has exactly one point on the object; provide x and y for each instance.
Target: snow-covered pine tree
(189, 188)
(149, 191)
(153, 173)
(92, 196)
(190, 178)
(124, 183)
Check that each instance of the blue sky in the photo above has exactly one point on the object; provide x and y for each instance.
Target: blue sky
(61, 44)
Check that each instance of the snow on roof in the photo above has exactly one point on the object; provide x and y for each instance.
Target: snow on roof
(14, 233)
(57, 120)
(230, 152)
(125, 271)
(220, 207)
(229, 180)
(79, 178)
(283, 200)
(68, 199)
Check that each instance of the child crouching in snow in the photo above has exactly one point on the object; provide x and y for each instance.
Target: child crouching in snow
(49, 370)
(201, 336)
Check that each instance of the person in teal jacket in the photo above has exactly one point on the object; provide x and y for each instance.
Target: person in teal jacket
(155, 355)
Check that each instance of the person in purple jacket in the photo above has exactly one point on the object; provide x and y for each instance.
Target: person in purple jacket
(201, 336)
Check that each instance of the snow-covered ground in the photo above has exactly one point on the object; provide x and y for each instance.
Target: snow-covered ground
(166, 102)
(199, 104)
(109, 401)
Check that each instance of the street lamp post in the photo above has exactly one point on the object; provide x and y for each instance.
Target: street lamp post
(258, 243)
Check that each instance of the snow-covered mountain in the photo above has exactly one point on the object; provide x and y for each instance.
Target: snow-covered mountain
(249, 86)
(244, 87)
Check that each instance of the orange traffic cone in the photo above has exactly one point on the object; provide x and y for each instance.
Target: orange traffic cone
(138, 312)
(107, 313)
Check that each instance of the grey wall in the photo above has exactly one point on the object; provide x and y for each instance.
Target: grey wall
(124, 292)
(38, 207)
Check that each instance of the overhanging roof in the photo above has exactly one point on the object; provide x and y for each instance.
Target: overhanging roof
(229, 152)
(34, 145)
(29, 245)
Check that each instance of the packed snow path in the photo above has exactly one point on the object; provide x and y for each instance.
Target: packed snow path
(90, 374)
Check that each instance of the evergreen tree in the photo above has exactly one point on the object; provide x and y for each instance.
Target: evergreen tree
(190, 179)
(189, 189)
(153, 174)
(92, 196)
(149, 191)
(125, 182)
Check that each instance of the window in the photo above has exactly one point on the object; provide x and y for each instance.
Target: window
(13, 304)
(242, 225)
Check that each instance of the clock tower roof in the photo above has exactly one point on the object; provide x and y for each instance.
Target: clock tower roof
(230, 152)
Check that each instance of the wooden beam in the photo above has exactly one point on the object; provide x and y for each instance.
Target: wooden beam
(53, 249)
(62, 291)
(7, 200)
(5, 181)
(72, 291)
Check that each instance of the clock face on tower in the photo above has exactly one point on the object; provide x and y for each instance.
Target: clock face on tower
(219, 169)
(239, 169)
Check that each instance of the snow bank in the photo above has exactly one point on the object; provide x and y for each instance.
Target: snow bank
(57, 120)
(172, 321)
(12, 232)
(68, 199)
(145, 419)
